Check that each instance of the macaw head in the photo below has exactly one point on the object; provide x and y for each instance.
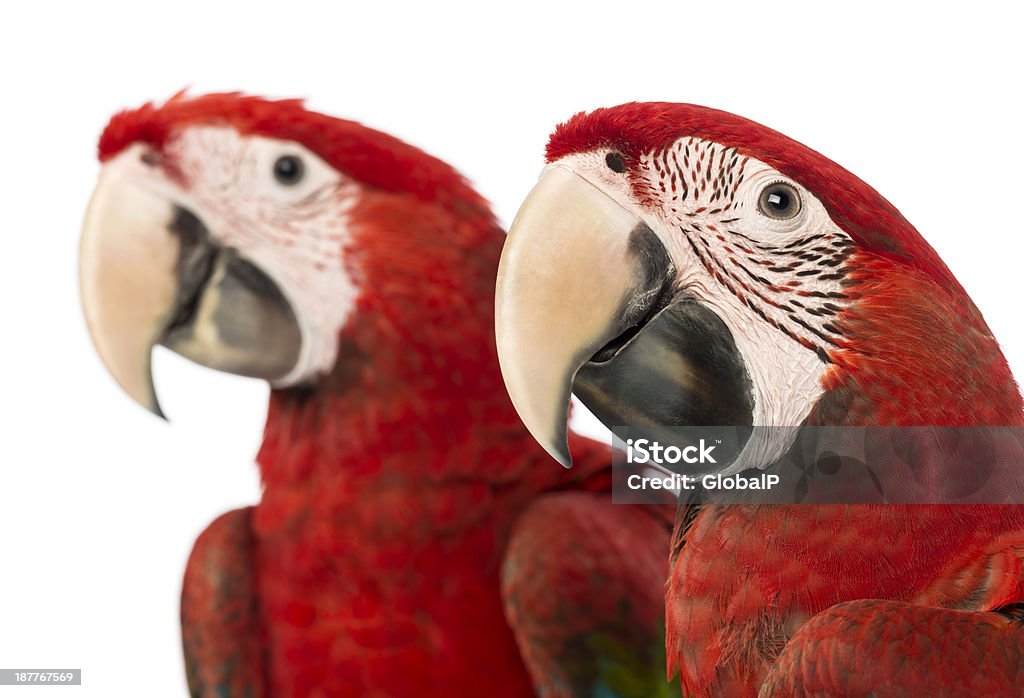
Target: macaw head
(681, 265)
(254, 236)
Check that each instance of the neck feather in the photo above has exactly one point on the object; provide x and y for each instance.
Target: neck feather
(918, 354)
(417, 367)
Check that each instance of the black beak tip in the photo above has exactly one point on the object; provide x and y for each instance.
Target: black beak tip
(155, 408)
(562, 455)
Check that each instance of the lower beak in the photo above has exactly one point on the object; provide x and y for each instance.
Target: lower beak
(151, 274)
(579, 277)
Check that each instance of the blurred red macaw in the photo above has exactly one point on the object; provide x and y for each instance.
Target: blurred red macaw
(404, 542)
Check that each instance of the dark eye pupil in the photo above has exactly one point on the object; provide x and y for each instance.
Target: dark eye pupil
(779, 201)
(615, 162)
(288, 169)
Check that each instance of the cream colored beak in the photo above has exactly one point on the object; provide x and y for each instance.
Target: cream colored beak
(128, 276)
(577, 271)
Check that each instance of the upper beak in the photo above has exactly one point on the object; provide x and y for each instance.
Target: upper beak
(151, 273)
(579, 276)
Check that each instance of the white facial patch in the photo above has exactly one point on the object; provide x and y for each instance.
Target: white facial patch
(772, 273)
(293, 230)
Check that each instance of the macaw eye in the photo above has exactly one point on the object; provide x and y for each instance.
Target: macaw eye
(615, 162)
(779, 201)
(149, 157)
(288, 170)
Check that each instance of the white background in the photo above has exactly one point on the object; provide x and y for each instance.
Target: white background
(100, 502)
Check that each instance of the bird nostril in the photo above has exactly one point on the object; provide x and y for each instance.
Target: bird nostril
(150, 157)
(615, 162)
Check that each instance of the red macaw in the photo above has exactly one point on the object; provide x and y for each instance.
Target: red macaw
(403, 544)
(771, 287)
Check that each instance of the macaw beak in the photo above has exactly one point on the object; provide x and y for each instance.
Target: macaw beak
(579, 276)
(151, 273)
(587, 302)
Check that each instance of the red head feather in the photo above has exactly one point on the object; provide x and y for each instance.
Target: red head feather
(637, 128)
(372, 157)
